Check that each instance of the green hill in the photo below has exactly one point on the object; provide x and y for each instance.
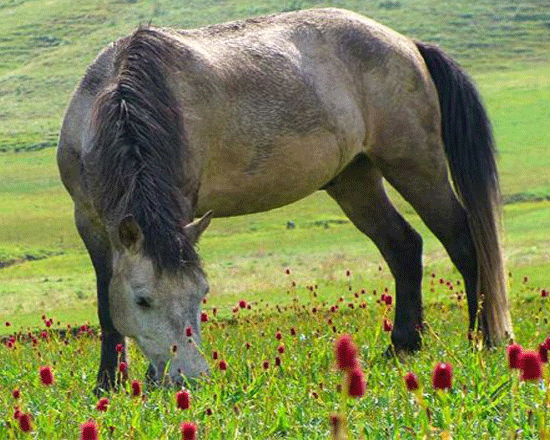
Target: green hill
(46, 45)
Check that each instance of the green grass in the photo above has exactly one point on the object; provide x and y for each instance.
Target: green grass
(46, 46)
(293, 400)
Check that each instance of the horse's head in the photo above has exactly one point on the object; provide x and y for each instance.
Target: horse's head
(159, 309)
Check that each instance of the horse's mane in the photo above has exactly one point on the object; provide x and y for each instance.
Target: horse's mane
(134, 165)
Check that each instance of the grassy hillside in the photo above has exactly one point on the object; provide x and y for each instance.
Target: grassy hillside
(45, 47)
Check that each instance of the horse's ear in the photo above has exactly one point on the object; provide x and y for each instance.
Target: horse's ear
(130, 233)
(194, 229)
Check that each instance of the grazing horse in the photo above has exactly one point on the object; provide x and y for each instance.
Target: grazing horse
(170, 126)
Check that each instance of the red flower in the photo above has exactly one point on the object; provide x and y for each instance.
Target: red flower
(102, 404)
(547, 343)
(7, 324)
(88, 430)
(277, 361)
(242, 304)
(182, 399)
(123, 367)
(46, 375)
(530, 365)
(136, 388)
(543, 352)
(188, 431)
(387, 325)
(411, 381)
(293, 331)
(247, 345)
(281, 349)
(388, 300)
(25, 422)
(223, 365)
(214, 355)
(278, 335)
(356, 383)
(442, 376)
(514, 352)
(346, 351)
(119, 348)
(204, 317)
(544, 293)
(17, 413)
(265, 365)
(16, 393)
(189, 331)
(287, 271)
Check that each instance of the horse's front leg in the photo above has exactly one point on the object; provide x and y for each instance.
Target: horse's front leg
(98, 246)
(110, 339)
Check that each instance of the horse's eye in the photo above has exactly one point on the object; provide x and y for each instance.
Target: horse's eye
(143, 302)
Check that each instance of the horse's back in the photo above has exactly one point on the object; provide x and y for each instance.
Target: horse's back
(265, 96)
(305, 91)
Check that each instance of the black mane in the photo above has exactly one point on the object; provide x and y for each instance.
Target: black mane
(134, 165)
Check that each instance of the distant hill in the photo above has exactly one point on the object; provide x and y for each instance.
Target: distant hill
(46, 45)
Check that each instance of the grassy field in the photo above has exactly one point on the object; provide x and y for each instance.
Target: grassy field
(46, 46)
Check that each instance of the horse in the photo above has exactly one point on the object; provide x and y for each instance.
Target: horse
(170, 128)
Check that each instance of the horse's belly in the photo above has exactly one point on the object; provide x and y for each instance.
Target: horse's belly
(242, 179)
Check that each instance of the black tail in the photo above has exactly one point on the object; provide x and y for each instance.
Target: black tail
(470, 150)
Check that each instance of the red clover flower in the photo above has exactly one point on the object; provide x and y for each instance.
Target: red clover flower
(356, 383)
(25, 422)
(530, 365)
(46, 375)
(346, 352)
(136, 388)
(514, 353)
(88, 430)
(543, 352)
(188, 431)
(182, 399)
(442, 376)
(102, 404)
(411, 381)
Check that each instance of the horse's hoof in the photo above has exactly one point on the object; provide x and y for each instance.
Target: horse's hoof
(101, 389)
(406, 342)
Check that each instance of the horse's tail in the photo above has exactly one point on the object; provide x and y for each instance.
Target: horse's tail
(470, 151)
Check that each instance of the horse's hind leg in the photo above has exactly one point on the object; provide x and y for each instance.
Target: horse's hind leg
(422, 180)
(360, 193)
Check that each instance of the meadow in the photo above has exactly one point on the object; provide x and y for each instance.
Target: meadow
(44, 270)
